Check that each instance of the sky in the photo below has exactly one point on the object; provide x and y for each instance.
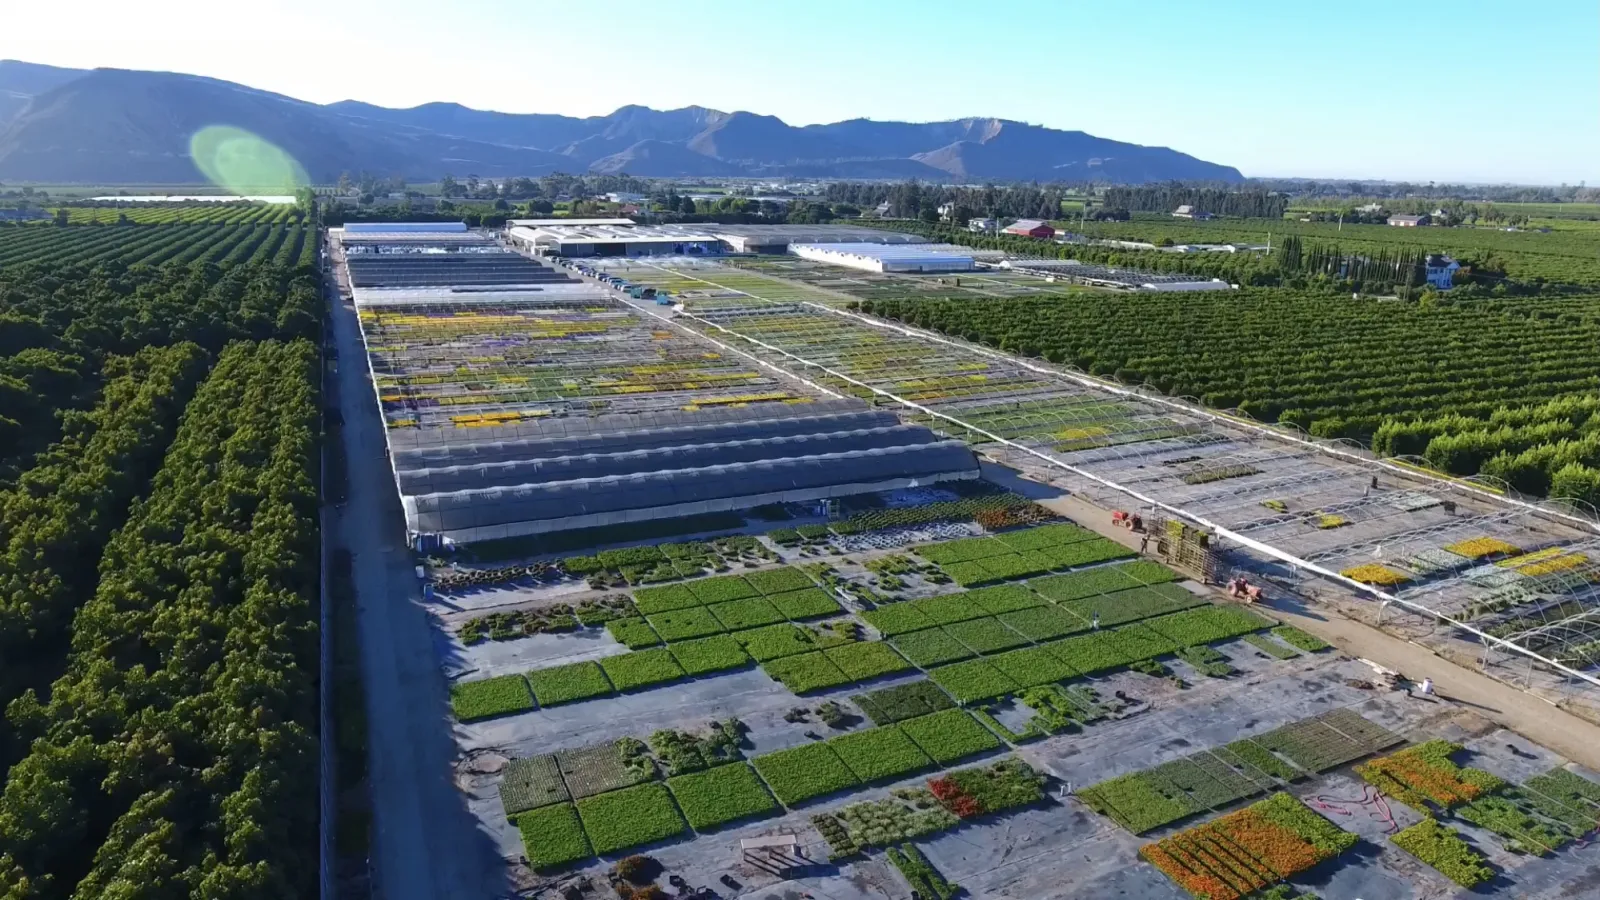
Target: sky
(1419, 90)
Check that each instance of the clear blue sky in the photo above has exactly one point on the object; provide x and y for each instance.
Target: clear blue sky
(1400, 89)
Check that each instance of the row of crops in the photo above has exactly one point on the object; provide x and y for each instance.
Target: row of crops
(282, 245)
(150, 417)
(163, 214)
(1341, 368)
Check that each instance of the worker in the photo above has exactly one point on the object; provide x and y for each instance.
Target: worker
(1144, 544)
(1095, 622)
(1427, 687)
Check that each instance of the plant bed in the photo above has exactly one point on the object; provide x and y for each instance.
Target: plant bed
(886, 706)
(1088, 583)
(683, 752)
(897, 618)
(924, 879)
(806, 672)
(1087, 653)
(721, 795)
(805, 772)
(751, 612)
(634, 632)
(1424, 774)
(949, 735)
(1043, 623)
(1375, 574)
(960, 551)
(631, 817)
(930, 647)
(967, 574)
(776, 642)
(1134, 604)
(1032, 667)
(1086, 553)
(778, 581)
(1137, 803)
(1137, 642)
(569, 683)
(722, 590)
(985, 635)
(1045, 536)
(1247, 755)
(490, 697)
(553, 836)
(604, 767)
(703, 656)
(664, 599)
(1246, 851)
(905, 814)
(683, 624)
(1443, 849)
(1207, 624)
(1270, 647)
(1301, 640)
(1312, 746)
(866, 659)
(631, 671)
(947, 608)
(806, 603)
(1206, 661)
(973, 680)
(1004, 598)
(997, 787)
(879, 753)
(531, 783)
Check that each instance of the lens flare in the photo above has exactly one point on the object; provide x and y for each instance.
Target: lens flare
(244, 163)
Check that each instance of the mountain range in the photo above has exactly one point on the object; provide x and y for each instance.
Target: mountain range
(118, 126)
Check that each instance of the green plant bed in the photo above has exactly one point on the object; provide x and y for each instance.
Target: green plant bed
(806, 672)
(553, 836)
(1270, 647)
(631, 671)
(1442, 848)
(1004, 598)
(930, 647)
(776, 642)
(604, 767)
(986, 635)
(490, 697)
(721, 795)
(722, 590)
(664, 599)
(1002, 785)
(806, 603)
(1043, 623)
(1133, 604)
(897, 618)
(1045, 536)
(630, 817)
(1137, 803)
(1032, 666)
(1088, 653)
(778, 581)
(879, 753)
(924, 879)
(683, 624)
(717, 653)
(973, 680)
(949, 736)
(569, 683)
(948, 608)
(1206, 624)
(531, 783)
(906, 701)
(1145, 572)
(960, 551)
(967, 574)
(1206, 661)
(805, 772)
(751, 612)
(866, 659)
(1136, 642)
(1302, 640)
(635, 632)
(1084, 553)
(1078, 585)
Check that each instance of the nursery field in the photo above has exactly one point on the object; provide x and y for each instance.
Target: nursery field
(1088, 435)
(185, 214)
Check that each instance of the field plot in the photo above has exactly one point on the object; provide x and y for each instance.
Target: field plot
(1334, 511)
(282, 244)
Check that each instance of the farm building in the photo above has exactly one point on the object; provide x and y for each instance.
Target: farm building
(1409, 221)
(1188, 211)
(775, 239)
(1031, 228)
(614, 240)
(882, 258)
(982, 225)
(1441, 271)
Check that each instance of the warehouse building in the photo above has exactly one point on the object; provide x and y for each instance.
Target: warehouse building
(885, 258)
(567, 239)
(776, 239)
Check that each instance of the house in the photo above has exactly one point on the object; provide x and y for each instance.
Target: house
(982, 225)
(881, 210)
(625, 197)
(946, 210)
(1441, 270)
(1031, 228)
(1408, 221)
(1370, 209)
(1186, 211)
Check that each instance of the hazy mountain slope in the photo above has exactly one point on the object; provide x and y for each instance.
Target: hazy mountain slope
(117, 126)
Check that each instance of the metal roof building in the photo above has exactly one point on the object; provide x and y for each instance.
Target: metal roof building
(615, 240)
(776, 239)
(885, 258)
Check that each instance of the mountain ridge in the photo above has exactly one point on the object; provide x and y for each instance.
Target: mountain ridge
(113, 126)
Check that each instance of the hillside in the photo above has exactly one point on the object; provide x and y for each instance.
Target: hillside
(117, 126)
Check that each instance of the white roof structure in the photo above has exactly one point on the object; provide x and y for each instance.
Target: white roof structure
(539, 223)
(885, 257)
